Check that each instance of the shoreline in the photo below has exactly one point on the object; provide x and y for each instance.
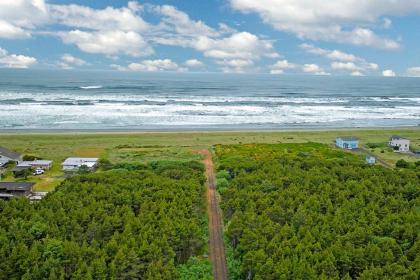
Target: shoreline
(195, 130)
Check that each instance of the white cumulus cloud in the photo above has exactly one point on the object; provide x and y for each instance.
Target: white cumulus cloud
(388, 73)
(343, 21)
(14, 60)
(342, 61)
(280, 66)
(150, 65)
(18, 18)
(193, 63)
(108, 42)
(413, 71)
(68, 61)
(314, 69)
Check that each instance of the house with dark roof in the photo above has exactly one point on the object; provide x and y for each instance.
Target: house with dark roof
(12, 189)
(347, 142)
(7, 155)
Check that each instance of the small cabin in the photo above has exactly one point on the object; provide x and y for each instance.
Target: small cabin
(370, 159)
(347, 142)
(400, 144)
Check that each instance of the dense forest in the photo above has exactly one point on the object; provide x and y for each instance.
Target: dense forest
(133, 222)
(306, 211)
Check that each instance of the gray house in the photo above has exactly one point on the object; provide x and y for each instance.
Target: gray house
(7, 155)
(11, 189)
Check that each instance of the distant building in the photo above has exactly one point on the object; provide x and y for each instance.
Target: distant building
(43, 164)
(403, 144)
(370, 159)
(348, 142)
(11, 189)
(73, 163)
(7, 155)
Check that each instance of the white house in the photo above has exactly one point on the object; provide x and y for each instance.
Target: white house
(370, 159)
(403, 144)
(73, 163)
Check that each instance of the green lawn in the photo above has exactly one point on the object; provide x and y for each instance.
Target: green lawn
(149, 146)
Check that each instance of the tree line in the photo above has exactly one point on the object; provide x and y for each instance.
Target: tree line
(305, 211)
(134, 221)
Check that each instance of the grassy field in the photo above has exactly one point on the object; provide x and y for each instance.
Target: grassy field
(144, 146)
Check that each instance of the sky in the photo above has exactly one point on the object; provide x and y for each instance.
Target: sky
(280, 37)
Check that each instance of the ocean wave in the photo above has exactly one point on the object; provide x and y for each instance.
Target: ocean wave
(90, 87)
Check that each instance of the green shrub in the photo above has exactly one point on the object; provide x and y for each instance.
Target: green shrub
(402, 164)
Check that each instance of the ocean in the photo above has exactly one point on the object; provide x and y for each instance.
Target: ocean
(44, 99)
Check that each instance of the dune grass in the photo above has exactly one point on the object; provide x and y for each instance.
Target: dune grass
(150, 146)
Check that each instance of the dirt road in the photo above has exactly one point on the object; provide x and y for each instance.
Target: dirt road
(216, 244)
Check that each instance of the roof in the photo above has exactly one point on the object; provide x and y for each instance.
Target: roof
(16, 186)
(397, 137)
(80, 161)
(35, 162)
(9, 154)
(348, 138)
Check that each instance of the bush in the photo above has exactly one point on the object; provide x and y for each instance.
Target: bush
(83, 170)
(22, 173)
(376, 145)
(104, 164)
(29, 158)
(223, 174)
(402, 164)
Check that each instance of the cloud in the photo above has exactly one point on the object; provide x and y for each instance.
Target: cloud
(330, 54)
(68, 61)
(18, 18)
(357, 74)
(156, 65)
(342, 21)
(314, 69)
(225, 45)
(181, 23)
(109, 31)
(413, 71)
(122, 19)
(387, 23)
(14, 60)
(10, 31)
(342, 61)
(242, 45)
(193, 63)
(388, 73)
(108, 42)
(123, 31)
(235, 65)
(280, 66)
